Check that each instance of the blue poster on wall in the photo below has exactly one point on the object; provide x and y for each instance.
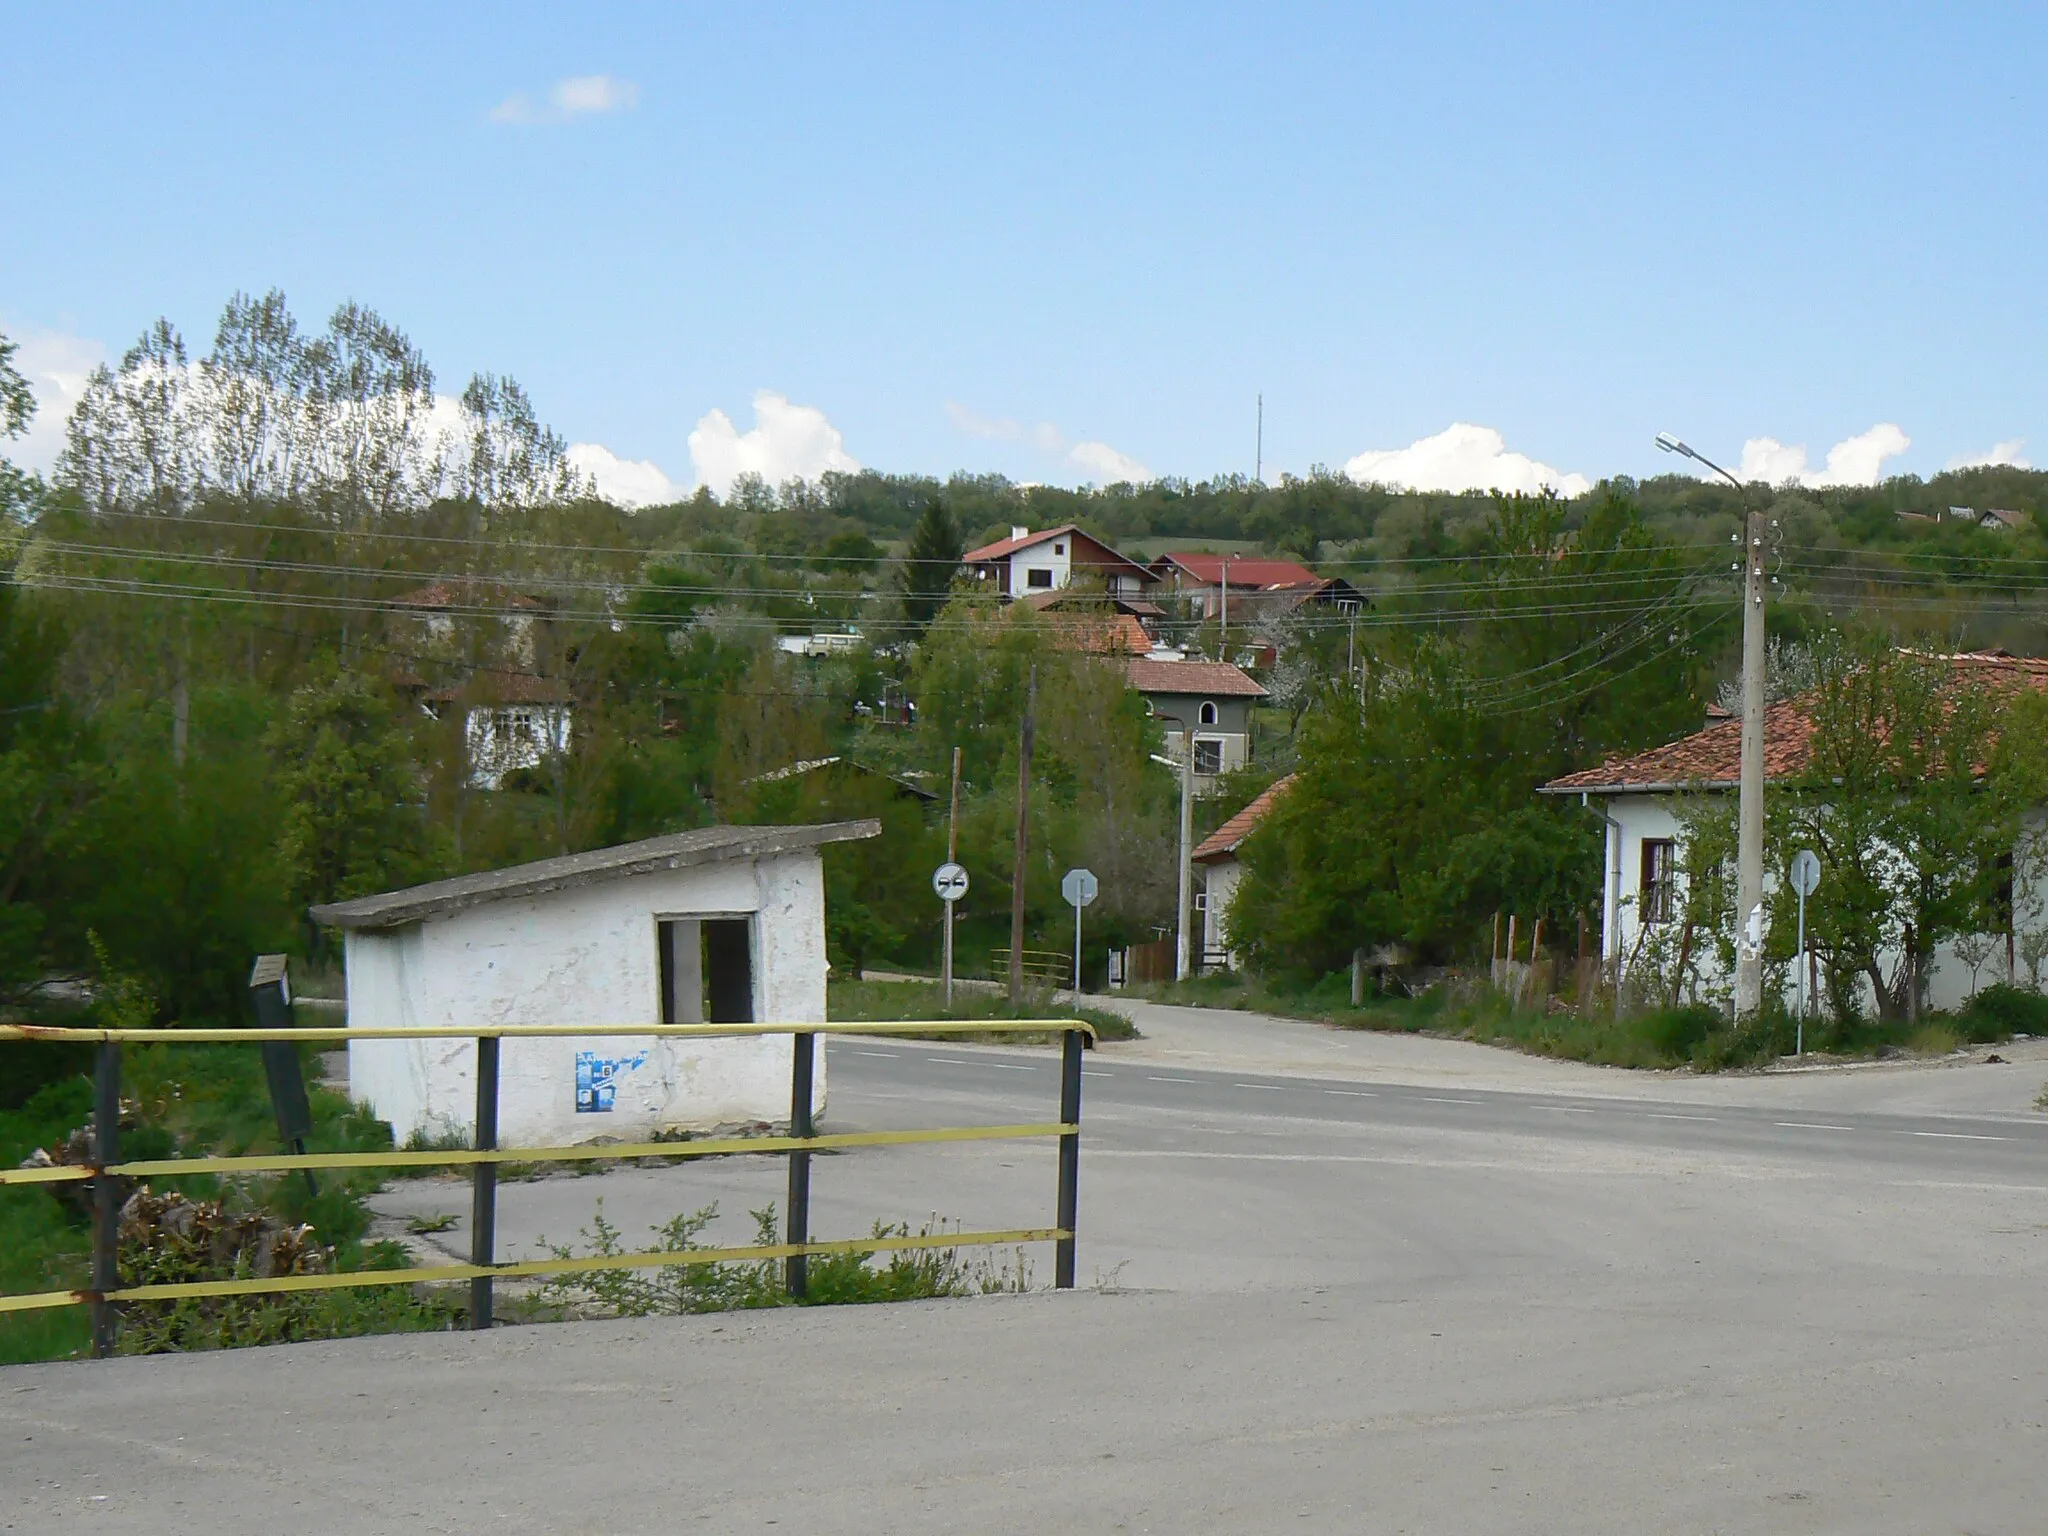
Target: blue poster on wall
(597, 1080)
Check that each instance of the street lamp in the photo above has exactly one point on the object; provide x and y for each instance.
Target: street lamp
(1749, 844)
(1187, 827)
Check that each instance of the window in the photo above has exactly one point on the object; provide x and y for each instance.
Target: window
(1208, 754)
(1038, 578)
(1208, 712)
(1656, 895)
(1201, 901)
(1059, 549)
(707, 970)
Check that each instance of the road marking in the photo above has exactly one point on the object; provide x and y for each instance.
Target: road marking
(1350, 1093)
(1564, 1109)
(947, 1061)
(885, 1055)
(1269, 1087)
(1428, 1100)
(1654, 1115)
(1173, 1080)
(1009, 1066)
(1958, 1136)
(1808, 1125)
(1098, 1074)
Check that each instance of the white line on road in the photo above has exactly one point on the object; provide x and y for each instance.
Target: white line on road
(1958, 1136)
(1565, 1109)
(1808, 1125)
(1269, 1087)
(885, 1055)
(1428, 1100)
(1009, 1066)
(1173, 1080)
(1654, 1115)
(947, 1061)
(1098, 1074)
(1351, 1093)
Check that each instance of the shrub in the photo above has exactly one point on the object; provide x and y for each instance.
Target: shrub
(2002, 1010)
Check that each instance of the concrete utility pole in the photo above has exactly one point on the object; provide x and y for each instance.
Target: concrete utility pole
(1026, 734)
(1181, 967)
(1749, 840)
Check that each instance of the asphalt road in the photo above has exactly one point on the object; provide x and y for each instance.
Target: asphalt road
(1311, 1303)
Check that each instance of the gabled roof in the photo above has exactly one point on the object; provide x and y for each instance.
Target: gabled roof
(679, 850)
(1224, 841)
(1217, 678)
(1244, 571)
(1002, 549)
(1712, 758)
(797, 770)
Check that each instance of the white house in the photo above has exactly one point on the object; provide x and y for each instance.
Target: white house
(1216, 856)
(1640, 799)
(721, 925)
(1028, 562)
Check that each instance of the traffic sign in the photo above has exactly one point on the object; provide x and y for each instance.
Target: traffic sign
(1805, 871)
(1079, 887)
(950, 881)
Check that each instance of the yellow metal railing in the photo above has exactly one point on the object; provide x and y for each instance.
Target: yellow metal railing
(106, 1294)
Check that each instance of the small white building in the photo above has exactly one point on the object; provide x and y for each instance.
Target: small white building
(1640, 799)
(1216, 857)
(722, 925)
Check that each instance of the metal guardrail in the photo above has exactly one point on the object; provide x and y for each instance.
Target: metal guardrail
(106, 1293)
(1050, 965)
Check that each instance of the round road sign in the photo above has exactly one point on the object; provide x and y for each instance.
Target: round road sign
(950, 881)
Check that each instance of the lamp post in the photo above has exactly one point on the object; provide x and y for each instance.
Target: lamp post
(1187, 827)
(1749, 844)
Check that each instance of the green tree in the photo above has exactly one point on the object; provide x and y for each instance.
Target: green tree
(930, 563)
(353, 820)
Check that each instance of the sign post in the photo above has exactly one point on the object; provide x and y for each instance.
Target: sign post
(1079, 888)
(1805, 877)
(950, 881)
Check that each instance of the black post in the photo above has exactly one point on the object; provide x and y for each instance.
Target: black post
(106, 1199)
(483, 1182)
(803, 1048)
(1070, 1159)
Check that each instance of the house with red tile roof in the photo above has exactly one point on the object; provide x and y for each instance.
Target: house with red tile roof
(1640, 797)
(1216, 856)
(1247, 586)
(1210, 699)
(1027, 563)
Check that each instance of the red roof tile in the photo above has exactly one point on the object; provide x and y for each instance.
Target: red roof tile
(1219, 678)
(1243, 572)
(1712, 758)
(1226, 838)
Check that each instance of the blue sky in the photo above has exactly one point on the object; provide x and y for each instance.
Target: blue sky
(1066, 242)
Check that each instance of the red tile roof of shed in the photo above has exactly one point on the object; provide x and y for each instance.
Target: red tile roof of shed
(1190, 677)
(1226, 838)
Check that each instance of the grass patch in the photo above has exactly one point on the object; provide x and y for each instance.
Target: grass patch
(850, 1001)
(1694, 1036)
(833, 1279)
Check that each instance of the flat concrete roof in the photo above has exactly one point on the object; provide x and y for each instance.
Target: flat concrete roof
(679, 850)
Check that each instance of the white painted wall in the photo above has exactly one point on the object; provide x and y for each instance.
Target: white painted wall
(1636, 817)
(1219, 880)
(1055, 555)
(586, 956)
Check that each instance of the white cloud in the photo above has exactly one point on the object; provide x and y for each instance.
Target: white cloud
(787, 442)
(1462, 457)
(1104, 464)
(1108, 465)
(576, 96)
(623, 482)
(2008, 454)
(1857, 460)
(56, 367)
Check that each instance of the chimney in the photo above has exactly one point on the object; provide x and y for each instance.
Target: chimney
(1018, 531)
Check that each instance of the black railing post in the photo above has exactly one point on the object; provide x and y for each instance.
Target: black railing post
(803, 1048)
(1070, 1159)
(483, 1182)
(106, 1199)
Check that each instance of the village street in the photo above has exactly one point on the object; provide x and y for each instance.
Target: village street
(1443, 1289)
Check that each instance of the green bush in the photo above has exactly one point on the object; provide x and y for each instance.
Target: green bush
(2001, 1011)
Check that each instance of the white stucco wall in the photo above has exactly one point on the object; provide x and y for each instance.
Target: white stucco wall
(586, 955)
(1632, 818)
(1041, 557)
(1219, 881)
